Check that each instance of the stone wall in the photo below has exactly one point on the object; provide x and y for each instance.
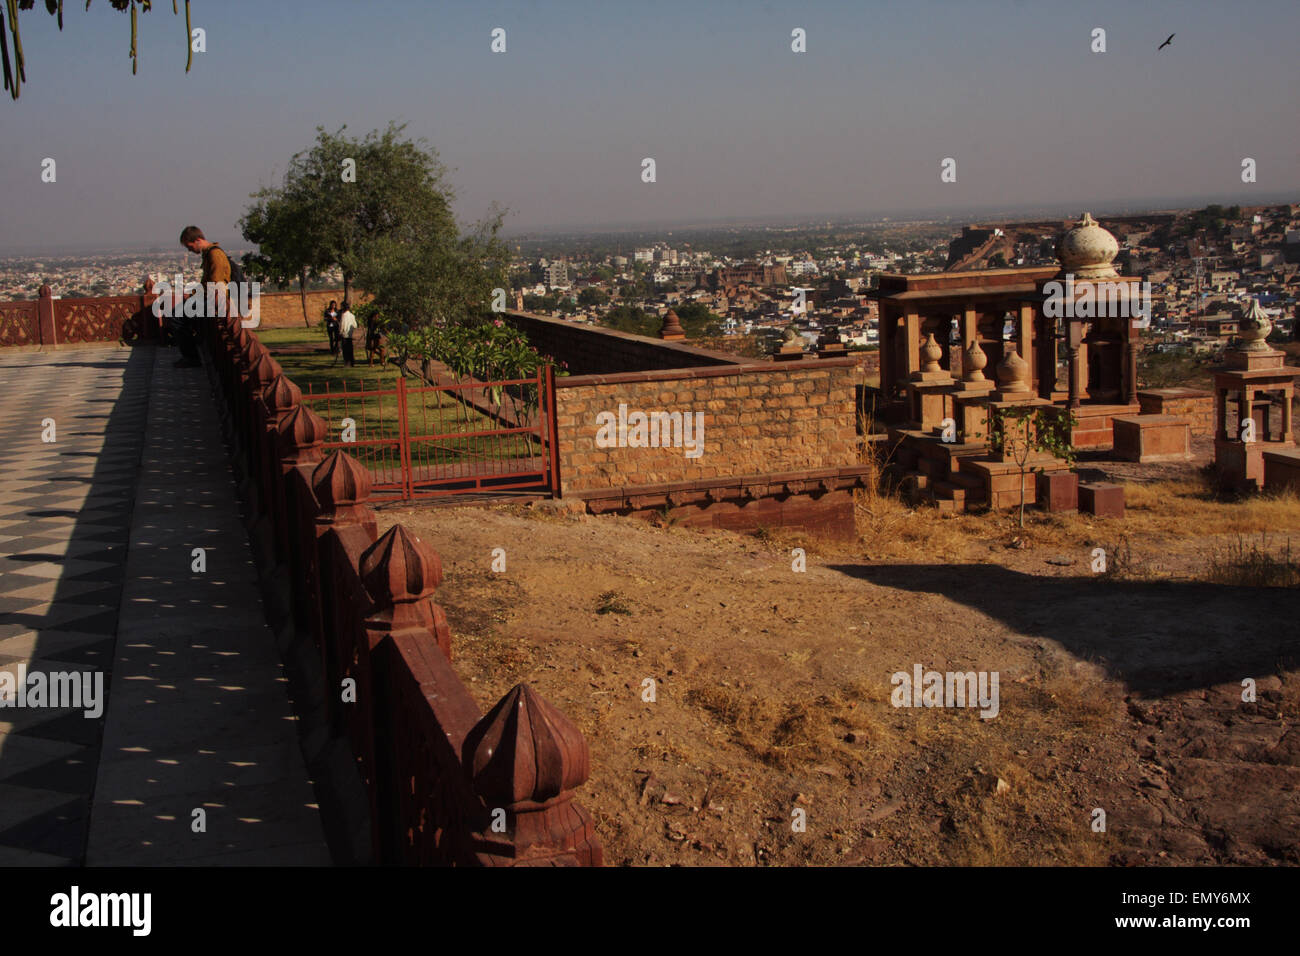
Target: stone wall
(589, 350)
(431, 776)
(759, 419)
(1195, 405)
(283, 310)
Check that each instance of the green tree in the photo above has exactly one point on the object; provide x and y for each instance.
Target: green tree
(285, 253)
(697, 319)
(435, 280)
(354, 203)
(15, 69)
(630, 318)
(591, 296)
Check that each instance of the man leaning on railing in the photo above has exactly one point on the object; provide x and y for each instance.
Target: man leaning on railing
(216, 269)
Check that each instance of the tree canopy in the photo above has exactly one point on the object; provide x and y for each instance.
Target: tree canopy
(378, 208)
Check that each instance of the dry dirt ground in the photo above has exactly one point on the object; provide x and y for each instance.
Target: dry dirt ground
(1119, 691)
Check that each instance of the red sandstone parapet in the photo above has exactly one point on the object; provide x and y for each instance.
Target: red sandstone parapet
(446, 783)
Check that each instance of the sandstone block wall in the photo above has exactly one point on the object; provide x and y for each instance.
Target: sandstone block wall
(758, 420)
(1194, 405)
(281, 310)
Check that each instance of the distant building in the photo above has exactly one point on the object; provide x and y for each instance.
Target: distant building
(746, 274)
(557, 275)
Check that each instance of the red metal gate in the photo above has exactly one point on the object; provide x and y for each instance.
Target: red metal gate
(458, 438)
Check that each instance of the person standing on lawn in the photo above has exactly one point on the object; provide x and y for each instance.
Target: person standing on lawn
(347, 325)
(332, 326)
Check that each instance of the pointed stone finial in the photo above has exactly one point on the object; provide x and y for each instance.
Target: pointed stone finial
(672, 327)
(931, 353)
(264, 370)
(342, 487)
(1013, 372)
(525, 749)
(281, 396)
(400, 572)
(300, 434)
(1253, 329)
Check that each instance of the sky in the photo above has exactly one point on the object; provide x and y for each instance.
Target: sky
(740, 127)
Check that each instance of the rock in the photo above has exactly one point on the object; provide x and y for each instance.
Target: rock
(880, 813)
(1002, 786)
(1062, 561)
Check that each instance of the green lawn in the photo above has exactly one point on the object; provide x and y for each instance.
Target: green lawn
(376, 415)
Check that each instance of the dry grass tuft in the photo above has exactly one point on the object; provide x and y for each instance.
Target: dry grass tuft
(1254, 567)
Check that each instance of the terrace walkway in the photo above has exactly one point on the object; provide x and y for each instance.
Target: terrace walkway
(97, 572)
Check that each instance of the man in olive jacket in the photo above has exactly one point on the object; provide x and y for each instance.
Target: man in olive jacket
(216, 268)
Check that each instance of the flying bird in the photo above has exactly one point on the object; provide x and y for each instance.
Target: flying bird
(1165, 44)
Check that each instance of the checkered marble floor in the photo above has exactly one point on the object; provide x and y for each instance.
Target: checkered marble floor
(65, 517)
(97, 531)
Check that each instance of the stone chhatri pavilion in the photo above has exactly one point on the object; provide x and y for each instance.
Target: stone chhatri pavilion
(1084, 308)
(1253, 391)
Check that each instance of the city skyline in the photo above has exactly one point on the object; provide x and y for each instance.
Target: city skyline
(740, 126)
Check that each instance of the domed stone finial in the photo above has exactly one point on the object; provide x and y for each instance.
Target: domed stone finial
(300, 433)
(973, 362)
(1253, 329)
(400, 572)
(1087, 251)
(264, 370)
(1013, 372)
(672, 327)
(281, 395)
(340, 481)
(931, 353)
(525, 750)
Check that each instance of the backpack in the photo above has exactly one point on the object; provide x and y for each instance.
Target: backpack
(236, 270)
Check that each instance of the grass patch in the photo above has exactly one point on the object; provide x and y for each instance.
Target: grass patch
(611, 602)
(1259, 565)
(376, 414)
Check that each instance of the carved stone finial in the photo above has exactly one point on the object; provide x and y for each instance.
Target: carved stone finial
(340, 481)
(672, 327)
(525, 750)
(1253, 329)
(931, 353)
(300, 433)
(399, 567)
(1013, 372)
(281, 395)
(1087, 251)
(974, 362)
(264, 370)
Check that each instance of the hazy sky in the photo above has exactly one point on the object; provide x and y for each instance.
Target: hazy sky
(739, 125)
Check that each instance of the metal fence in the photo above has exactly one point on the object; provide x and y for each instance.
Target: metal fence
(453, 438)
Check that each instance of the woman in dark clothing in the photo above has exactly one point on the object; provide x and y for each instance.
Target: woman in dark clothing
(332, 326)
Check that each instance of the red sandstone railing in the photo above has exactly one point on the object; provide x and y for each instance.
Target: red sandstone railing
(446, 783)
(48, 321)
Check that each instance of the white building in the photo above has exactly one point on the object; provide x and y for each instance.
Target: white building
(557, 275)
